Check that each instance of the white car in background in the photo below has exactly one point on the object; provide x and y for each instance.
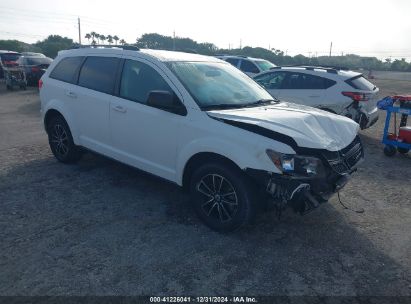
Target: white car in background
(250, 66)
(339, 91)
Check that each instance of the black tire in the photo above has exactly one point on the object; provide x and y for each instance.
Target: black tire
(61, 142)
(216, 207)
(403, 150)
(390, 150)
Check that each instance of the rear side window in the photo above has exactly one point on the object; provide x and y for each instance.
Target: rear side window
(138, 79)
(233, 61)
(10, 56)
(67, 69)
(311, 82)
(99, 73)
(249, 67)
(300, 81)
(360, 83)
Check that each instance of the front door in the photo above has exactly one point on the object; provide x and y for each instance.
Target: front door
(144, 136)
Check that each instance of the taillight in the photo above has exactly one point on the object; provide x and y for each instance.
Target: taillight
(40, 84)
(355, 96)
(35, 69)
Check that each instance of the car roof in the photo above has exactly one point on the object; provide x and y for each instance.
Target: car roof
(323, 71)
(240, 57)
(160, 55)
(9, 52)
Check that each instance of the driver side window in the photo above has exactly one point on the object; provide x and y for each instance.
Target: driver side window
(272, 81)
(138, 79)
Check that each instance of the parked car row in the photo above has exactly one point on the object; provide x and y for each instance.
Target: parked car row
(200, 123)
(33, 64)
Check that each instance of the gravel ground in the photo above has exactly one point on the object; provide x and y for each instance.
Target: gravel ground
(101, 228)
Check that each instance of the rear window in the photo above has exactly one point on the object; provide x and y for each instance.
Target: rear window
(360, 83)
(99, 73)
(67, 69)
(38, 60)
(10, 57)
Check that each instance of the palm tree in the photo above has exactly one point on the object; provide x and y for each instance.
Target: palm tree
(109, 39)
(93, 35)
(123, 42)
(116, 39)
(102, 38)
(98, 37)
(88, 36)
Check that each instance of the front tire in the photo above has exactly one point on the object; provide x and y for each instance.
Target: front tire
(61, 141)
(222, 196)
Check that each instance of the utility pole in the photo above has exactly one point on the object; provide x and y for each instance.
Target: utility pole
(331, 47)
(174, 40)
(79, 30)
(241, 44)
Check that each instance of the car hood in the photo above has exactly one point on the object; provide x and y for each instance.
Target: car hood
(309, 127)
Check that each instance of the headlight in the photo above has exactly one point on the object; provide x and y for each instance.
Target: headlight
(295, 164)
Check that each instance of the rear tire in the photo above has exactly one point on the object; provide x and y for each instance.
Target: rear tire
(403, 150)
(390, 150)
(222, 196)
(61, 141)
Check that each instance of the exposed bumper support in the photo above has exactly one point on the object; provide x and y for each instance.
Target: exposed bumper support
(301, 194)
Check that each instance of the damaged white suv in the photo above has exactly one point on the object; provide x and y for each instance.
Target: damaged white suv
(198, 122)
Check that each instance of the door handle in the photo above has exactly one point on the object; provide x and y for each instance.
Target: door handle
(119, 109)
(71, 94)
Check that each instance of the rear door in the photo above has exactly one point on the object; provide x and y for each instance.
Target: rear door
(303, 89)
(91, 101)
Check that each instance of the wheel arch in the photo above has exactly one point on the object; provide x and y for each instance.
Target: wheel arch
(201, 158)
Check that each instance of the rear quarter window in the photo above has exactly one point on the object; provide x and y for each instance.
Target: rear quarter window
(99, 73)
(360, 83)
(66, 70)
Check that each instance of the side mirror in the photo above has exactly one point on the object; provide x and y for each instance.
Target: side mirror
(166, 101)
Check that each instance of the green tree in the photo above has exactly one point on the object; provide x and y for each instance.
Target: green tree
(53, 44)
(109, 39)
(123, 42)
(116, 39)
(102, 38)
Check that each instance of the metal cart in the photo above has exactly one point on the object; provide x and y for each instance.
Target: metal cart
(15, 76)
(400, 139)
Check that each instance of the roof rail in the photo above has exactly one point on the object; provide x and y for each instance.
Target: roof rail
(92, 46)
(328, 69)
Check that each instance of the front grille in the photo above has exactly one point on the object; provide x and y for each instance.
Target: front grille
(346, 158)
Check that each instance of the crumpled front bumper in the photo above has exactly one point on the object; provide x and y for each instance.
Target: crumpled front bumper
(305, 193)
(301, 194)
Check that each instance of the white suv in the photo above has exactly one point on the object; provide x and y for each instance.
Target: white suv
(250, 66)
(200, 123)
(335, 90)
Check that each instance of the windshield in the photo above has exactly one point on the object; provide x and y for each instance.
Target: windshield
(264, 65)
(214, 84)
(38, 60)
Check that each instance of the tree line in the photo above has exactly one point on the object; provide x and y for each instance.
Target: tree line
(54, 43)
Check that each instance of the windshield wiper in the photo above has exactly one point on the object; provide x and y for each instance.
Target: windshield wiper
(224, 106)
(263, 102)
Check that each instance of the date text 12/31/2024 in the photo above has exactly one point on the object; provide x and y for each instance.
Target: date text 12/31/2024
(238, 299)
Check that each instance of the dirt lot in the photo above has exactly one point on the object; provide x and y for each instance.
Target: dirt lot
(101, 228)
